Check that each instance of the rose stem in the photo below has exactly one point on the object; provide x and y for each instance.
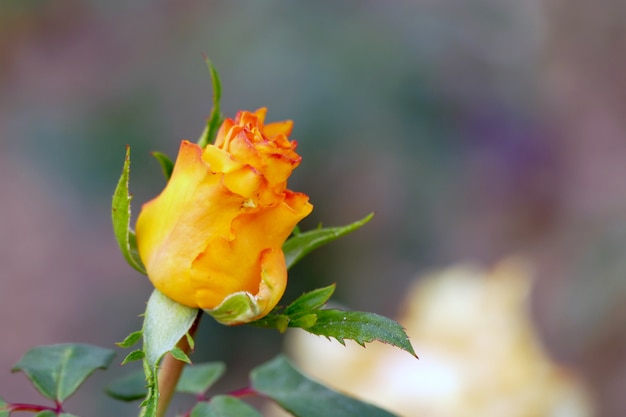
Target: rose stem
(171, 369)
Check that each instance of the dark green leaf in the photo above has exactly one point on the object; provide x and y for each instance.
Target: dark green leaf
(224, 406)
(197, 379)
(57, 370)
(46, 413)
(129, 388)
(215, 120)
(120, 213)
(362, 327)
(131, 339)
(310, 301)
(293, 391)
(135, 355)
(178, 354)
(297, 246)
(167, 166)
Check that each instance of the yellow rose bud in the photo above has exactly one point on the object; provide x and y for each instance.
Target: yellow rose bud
(216, 231)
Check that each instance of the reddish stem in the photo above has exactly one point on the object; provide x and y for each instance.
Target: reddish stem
(36, 408)
(243, 392)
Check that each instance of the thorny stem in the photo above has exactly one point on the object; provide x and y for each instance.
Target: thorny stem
(171, 369)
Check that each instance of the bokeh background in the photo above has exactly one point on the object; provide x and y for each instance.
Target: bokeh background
(475, 130)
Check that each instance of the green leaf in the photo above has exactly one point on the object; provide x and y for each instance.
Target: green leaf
(165, 323)
(293, 391)
(299, 245)
(130, 387)
(46, 413)
(310, 301)
(131, 339)
(362, 327)
(57, 370)
(215, 120)
(4, 411)
(197, 379)
(120, 213)
(135, 355)
(167, 166)
(178, 354)
(224, 406)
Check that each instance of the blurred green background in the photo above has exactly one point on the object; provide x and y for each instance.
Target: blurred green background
(474, 130)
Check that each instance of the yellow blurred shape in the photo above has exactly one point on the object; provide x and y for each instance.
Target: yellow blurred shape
(480, 355)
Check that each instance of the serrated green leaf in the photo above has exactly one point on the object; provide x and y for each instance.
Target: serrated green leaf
(215, 120)
(165, 323)
(46, 413)
(58, 370)
(130, 387)
(224, 406)
(167, 166)
(279, 380)
(120, 214)
(362, 327)
(135, 355)
(178, 354)
(299, 245)
(310, 301)
(197, 379)
(131, 339)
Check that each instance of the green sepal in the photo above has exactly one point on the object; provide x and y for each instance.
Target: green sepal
(135, 355)
(237, 308)
(56, 371)
(167, 166)
(165, 323)
(131, 339)
(197, 379)
(120, 214)
(128, 388)
(279, 380)
(178, 354)
(215, 120)
(362, 327)
(300, 244)
(224, 406)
